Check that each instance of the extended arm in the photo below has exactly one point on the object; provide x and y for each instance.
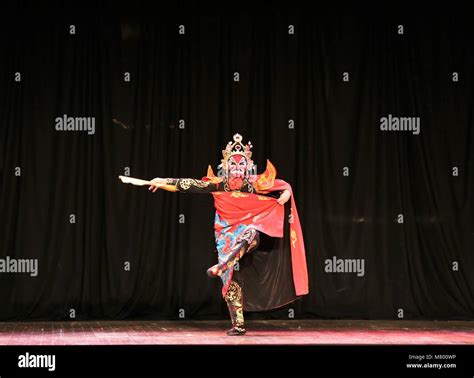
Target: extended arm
(186, 185)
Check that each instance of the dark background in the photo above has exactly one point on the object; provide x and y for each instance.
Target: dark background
(81, 266)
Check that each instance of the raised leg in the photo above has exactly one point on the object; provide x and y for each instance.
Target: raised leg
(246, 243)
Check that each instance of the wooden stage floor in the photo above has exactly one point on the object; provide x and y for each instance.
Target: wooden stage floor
(260, 332)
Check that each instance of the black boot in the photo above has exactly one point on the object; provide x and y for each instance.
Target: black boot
(236, 331)
(234, 299)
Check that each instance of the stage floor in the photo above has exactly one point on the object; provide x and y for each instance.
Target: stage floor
(276, 332)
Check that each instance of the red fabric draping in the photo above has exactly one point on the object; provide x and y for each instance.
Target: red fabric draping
(267, 215)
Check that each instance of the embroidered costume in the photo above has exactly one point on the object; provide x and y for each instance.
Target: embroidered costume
(260, 248)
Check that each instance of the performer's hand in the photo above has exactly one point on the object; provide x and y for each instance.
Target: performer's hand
(284, 197)
(156, 183)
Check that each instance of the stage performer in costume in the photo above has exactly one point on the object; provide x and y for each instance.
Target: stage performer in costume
(261, 255)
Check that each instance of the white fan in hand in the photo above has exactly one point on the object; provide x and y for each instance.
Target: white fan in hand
(134, 181)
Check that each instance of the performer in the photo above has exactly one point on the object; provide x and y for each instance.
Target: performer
(258, 238)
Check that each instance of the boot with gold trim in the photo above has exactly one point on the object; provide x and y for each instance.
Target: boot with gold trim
(234, 300)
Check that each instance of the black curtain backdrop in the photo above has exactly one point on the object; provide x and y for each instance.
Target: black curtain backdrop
(421, 268)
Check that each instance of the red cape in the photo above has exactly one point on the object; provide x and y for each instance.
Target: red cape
(267, 216)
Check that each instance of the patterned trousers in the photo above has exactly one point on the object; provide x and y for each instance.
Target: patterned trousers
(234, 296)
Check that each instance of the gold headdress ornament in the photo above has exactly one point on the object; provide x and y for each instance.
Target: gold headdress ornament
(262, 183)
(237, 148)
